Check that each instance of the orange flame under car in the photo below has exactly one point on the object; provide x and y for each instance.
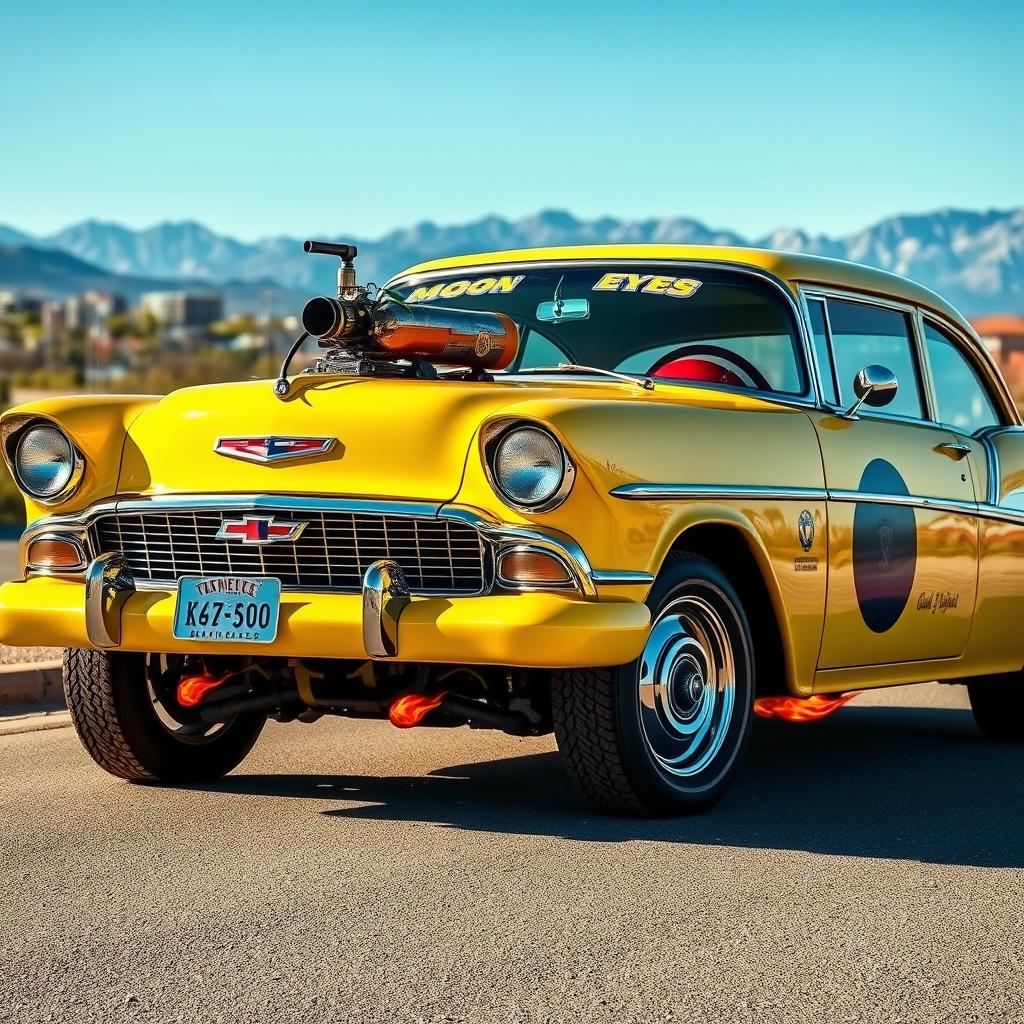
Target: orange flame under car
(800, 709)
(412, 708)
(192, 689)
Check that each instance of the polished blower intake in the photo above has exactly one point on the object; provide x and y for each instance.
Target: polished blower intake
(393, 330)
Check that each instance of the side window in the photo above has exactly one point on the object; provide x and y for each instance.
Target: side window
(864, 334)
(960, 395)
(819, 332)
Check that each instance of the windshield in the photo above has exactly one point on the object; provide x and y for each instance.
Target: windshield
(719, 327)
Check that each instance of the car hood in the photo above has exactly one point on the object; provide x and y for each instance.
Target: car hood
(395, 437)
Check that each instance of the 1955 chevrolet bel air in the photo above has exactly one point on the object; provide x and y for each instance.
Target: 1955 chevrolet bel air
(630, 494)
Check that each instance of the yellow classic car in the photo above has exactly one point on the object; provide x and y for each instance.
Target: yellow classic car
(630, 494)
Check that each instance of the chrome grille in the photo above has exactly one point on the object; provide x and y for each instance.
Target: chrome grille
(438, 556)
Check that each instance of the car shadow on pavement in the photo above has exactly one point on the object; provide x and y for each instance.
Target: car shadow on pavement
(903, 783)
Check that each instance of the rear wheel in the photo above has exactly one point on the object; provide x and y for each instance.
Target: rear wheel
(665, 734)
(123, 710)
(998, 706)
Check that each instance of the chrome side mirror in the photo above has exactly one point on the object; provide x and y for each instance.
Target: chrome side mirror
(875, 386)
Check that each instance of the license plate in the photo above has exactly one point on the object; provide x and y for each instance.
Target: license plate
(227, 609)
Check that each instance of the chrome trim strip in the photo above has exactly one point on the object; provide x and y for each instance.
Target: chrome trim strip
(700, 492)
(911, 500)
(1001, 513)
(686, 492)
(621, 578)
(108, 585)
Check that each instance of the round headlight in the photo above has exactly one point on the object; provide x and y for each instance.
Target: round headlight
(44, 462)
(530, 468)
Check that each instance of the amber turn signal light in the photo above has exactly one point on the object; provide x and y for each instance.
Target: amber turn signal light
(532, 567)
(53, 553)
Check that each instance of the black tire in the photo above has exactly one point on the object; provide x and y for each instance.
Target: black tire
(115, 717)
(616, 743)
(998, 706)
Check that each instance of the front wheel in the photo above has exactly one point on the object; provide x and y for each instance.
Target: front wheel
(124, 714)
(665, 735)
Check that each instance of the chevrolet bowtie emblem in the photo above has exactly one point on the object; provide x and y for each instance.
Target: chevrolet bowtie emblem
(259, 530)
(273, 449)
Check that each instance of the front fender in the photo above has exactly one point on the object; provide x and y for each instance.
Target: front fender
(98, 425)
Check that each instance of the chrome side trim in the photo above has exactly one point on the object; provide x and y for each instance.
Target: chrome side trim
(108, 584)
(621, 577)
(911, 500)
(699, 492)
(686, 492)
(385, 596)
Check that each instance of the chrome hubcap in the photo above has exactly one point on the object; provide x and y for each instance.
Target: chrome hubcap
(687, 686)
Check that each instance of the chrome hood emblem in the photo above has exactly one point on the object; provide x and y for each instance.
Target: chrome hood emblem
(273, 449)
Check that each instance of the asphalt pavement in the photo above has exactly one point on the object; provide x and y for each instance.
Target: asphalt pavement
(868, 867)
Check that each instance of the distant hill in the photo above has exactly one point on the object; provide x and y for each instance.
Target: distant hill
(56, 275)
(973, 258)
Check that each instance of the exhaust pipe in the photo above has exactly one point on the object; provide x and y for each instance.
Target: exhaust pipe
(411, 709)
(222, 710)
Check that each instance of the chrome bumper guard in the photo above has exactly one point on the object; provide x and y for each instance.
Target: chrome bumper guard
(108, 584)
(385, 597)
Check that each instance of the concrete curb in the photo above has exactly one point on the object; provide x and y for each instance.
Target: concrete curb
(36, 683)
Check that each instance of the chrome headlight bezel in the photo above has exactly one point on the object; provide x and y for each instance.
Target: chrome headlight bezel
(13, 441)
(499, 435)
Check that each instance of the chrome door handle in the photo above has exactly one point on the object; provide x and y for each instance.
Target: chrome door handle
(954, 449)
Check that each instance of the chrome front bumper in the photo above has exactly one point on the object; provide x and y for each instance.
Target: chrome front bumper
(109, 584)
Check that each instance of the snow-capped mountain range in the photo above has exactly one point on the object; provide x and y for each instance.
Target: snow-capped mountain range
(973, 258)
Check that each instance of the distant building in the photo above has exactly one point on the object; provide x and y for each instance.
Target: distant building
(54, 320)
(18, 302)
(1003, 335)
(89, 311)
(184, 309)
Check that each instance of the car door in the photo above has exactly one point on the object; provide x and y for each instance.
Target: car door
(970, 398)
(902, 523)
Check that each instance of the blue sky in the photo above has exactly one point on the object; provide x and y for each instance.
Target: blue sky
(326, 118)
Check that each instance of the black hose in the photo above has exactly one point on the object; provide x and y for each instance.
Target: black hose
(281, 384)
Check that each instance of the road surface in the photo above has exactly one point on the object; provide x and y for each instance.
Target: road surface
(866, 868)
(8, 559)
